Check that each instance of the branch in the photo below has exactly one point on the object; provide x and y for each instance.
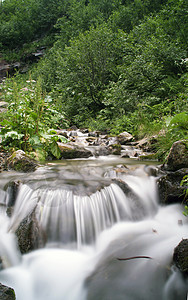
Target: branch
(135, 257)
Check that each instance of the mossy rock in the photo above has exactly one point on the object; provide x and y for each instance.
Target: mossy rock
(177, 157)
(21, 162)
(30, 234)
(71, 152)
(151, 156)
(170, 188)
(124, 138)
(6, 293)
(180, 256)
(115, 149)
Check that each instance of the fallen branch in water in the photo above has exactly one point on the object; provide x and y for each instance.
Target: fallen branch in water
(134, 257)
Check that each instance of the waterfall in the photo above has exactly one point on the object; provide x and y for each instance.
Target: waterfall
(108, 241)
(69, 218)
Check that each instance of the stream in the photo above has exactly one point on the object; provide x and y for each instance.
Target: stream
(102, 243)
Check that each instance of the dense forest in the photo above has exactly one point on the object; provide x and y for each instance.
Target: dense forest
(118, 65)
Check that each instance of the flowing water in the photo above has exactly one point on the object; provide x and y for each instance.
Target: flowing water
(107, 237)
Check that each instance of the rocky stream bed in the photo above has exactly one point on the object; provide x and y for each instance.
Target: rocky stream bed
(84, 144)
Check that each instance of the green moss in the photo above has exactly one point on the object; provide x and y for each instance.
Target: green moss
(151, 156)
(20, 162)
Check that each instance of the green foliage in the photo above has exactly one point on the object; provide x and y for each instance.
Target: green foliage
(85, 68)
(30, 114)
(176, 128)
(184, 183)
(186, 211)
(117, 65)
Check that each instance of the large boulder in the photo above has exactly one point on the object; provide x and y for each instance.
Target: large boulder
(180, 256)
(21, 162)
(177, 157)
(170, 188)
(6, 293)
(72, 151)
(175, 167)
(30, 234)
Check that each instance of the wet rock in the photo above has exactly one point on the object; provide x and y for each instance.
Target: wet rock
(12, 190)
(73, 133)
(6, 293)
(130, 152)
(127, 155)
(170, 189)
(177, 157)
(125, 188)
(94, 134)
(92, 140)
(30, 235)
(21, 162)
(180, 256)
(84, 130)
(112, 141)
(73, 151)
(153, 171)
(63, 133)
(3, 160)
(73, 128)
(124, 138)
(137, 210)
(114, 149)
(101, 151)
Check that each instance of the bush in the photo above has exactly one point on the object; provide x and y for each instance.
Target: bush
(30, 115)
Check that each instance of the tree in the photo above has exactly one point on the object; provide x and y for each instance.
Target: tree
(24, 20)
(86, 67)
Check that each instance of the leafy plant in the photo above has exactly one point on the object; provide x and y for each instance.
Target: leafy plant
(184, 183)
(175, 129)
(29, 116)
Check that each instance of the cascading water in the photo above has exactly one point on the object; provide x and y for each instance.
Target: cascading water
(101, 242)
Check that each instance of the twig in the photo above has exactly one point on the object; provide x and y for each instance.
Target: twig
(134, 257)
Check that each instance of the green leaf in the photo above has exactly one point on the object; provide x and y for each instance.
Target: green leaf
(6, 122)
(52, 131)
(54, 149)
(34, 115)
(180, 121)
(62, 138)
(34, 140)
(13, 135)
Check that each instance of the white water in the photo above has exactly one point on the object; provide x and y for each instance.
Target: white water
(105, 226)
